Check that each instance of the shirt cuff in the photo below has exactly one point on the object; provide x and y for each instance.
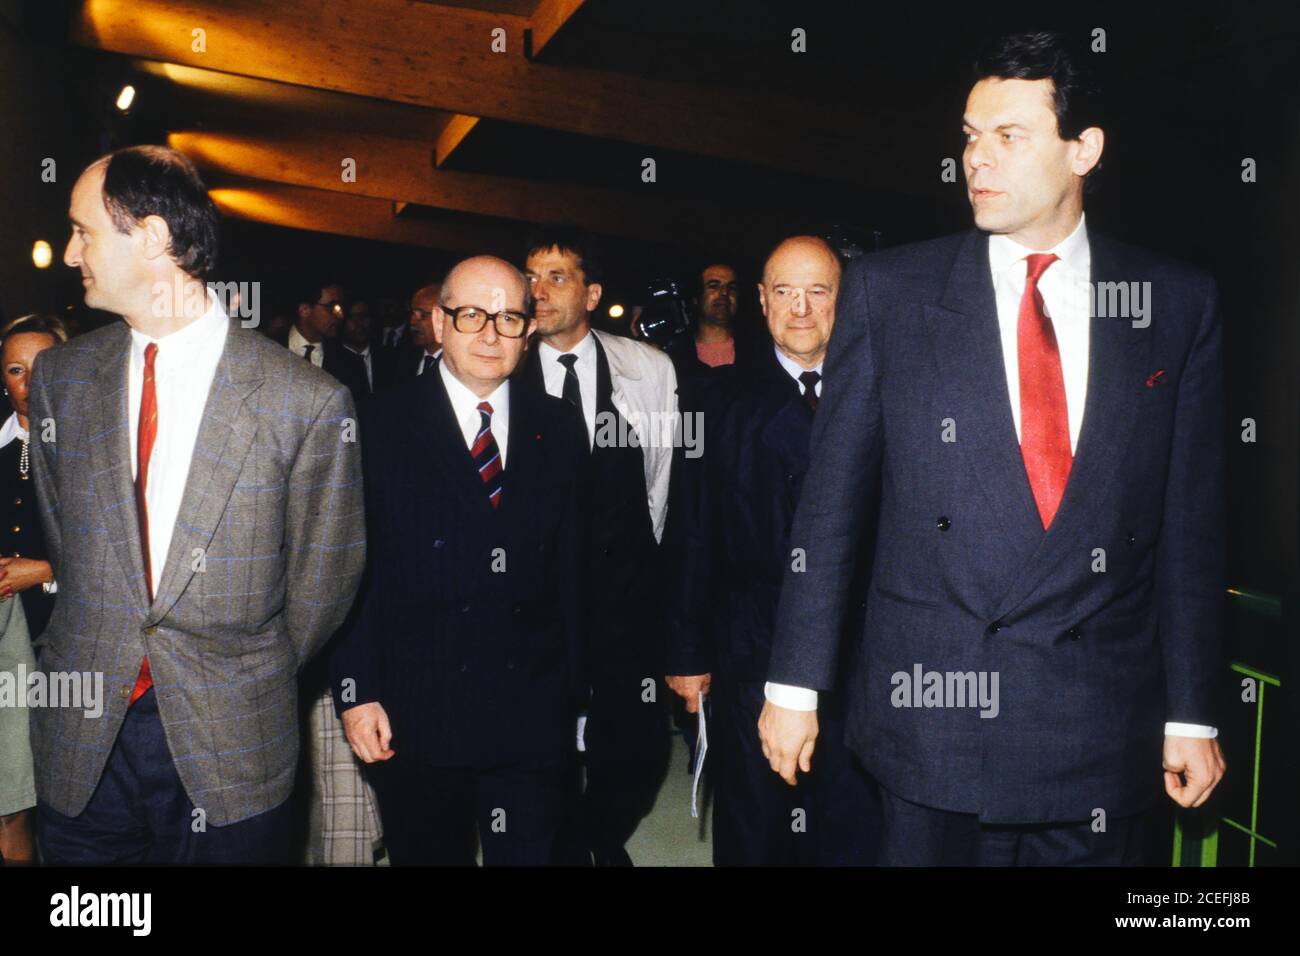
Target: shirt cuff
(1173, 729)
(791, 698)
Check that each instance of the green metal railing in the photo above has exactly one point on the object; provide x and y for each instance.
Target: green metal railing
(1197, 843)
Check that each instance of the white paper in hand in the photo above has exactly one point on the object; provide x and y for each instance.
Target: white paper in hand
(701, 748)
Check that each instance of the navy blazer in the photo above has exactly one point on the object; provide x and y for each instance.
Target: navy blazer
(1090, 662)
(729, 523)
(469, 630)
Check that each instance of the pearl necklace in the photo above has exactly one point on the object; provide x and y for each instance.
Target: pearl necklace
(24, 461)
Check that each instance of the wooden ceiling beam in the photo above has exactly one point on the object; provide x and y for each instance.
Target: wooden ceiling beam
(443, 57)
(361, 217)
(400, 170)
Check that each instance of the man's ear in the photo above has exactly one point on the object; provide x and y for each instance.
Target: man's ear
(762, 299)
(436, 318)
(304, 310)
(532, 327)
(594, 292)
(157, 236)
(1087, 154)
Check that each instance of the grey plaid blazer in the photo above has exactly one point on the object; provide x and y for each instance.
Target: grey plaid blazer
(265, 560)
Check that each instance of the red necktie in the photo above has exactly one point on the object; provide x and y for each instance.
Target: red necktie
(1044, 419)
(147, 433)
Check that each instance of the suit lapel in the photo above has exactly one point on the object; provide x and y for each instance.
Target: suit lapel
(967, 344)
(225, 435)
(1118, 354)
(110, 453)
(439, 434)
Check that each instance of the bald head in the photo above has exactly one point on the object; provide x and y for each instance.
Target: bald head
(487, 282)
(801, 279)
(480, 292)
(799, 251)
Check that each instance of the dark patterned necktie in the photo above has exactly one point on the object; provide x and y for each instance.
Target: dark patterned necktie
(487, 456)
(810, 380)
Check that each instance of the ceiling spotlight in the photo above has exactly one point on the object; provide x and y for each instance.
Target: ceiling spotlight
(616, 311)
(126, 98)
(42, 254)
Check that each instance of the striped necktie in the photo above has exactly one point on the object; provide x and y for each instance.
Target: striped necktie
(487, 457)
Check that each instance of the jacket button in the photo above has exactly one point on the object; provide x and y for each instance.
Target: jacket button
(151, 631)
(438, 543)
(126, 691)
(464, 609)
(1074, 633)
(994, 628)
(16, 528)
(18, 501)
(1132, 539)
(516, 609)
(942, 523)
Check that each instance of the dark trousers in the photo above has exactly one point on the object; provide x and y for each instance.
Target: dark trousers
(625, 762)
(430, 814)
(916, 835)
(830, 818)
(140, 813)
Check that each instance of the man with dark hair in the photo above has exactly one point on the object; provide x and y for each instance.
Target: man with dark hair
(714, 342)
(201, 495)
(1044, 616)
(622, 388)
(322, 307)
(373, 368)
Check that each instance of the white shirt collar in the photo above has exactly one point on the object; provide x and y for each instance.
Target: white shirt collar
(11, 430)
(465, 403)
(793, 368)
(297, 342)
(184, 344)
(363, 353)
(585, 350)
(1072, 251)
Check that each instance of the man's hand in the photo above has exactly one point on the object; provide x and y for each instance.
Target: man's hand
(1193, 768)
(689, 688)
(787, 737)
(19, 574)
(368, 731)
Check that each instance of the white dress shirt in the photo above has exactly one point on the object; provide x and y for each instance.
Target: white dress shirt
(554, 374)
(183, 371)
(11, 430)
(794, 370)
(298, 346)
(464, 404)
(1065, 287)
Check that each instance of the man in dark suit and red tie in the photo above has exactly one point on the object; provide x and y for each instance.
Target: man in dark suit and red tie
(1044, 616)
(459, 681)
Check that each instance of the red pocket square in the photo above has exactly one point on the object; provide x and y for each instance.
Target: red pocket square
(1154, 378)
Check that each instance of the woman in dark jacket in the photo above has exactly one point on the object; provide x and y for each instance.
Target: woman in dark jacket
(24, 562)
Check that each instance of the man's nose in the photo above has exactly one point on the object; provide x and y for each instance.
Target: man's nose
(72, 254)
(979, 154)
(799, 303)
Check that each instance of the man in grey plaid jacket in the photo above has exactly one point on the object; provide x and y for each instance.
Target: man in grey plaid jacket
(201, 495)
